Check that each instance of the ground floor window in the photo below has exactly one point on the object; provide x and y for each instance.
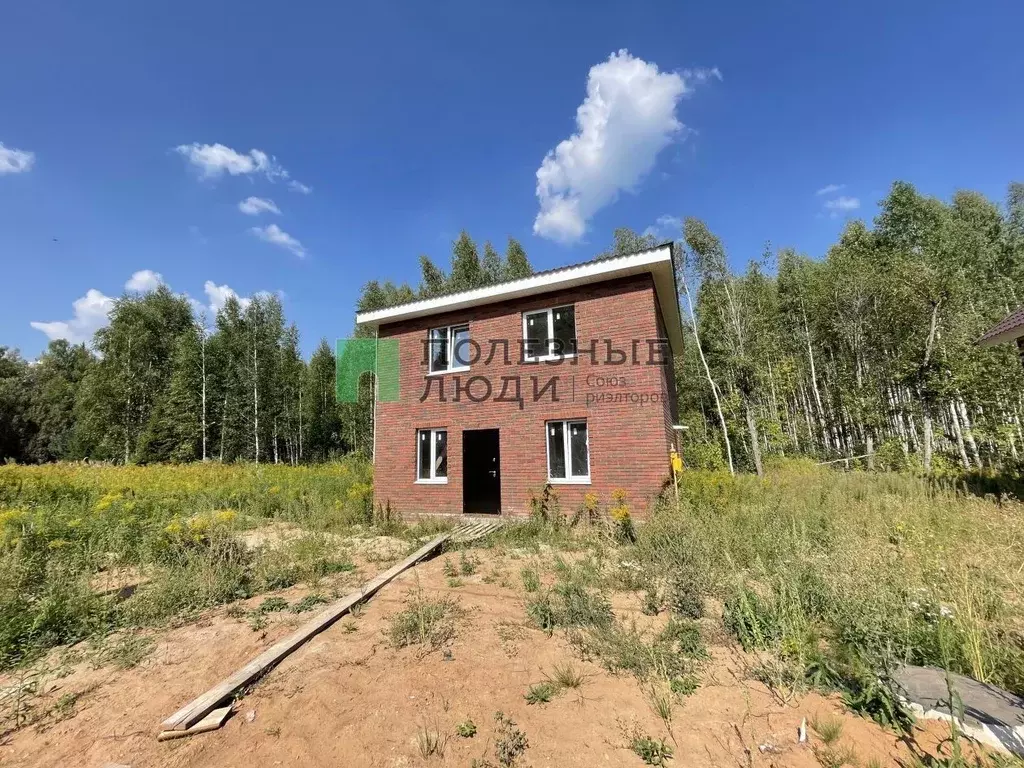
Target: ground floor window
(568, 452)
(432, 455)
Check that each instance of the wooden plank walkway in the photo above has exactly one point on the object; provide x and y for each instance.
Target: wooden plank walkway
(190, 718)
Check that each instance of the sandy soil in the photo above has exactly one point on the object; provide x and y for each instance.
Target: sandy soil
(348, 699)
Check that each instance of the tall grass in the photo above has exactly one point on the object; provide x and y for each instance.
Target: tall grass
(845, 574)
(175, 528)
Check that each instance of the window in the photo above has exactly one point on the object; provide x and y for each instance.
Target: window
(449, 348)
(568, 452)
(549, 333)
(432, 456)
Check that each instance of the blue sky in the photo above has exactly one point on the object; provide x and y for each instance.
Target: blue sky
(409, 122)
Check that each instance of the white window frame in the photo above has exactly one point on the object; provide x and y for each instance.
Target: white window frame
(433, 479)
(551, 332)
(569, 479)
(450, 337)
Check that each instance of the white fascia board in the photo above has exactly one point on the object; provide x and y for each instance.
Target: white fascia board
(657, 261)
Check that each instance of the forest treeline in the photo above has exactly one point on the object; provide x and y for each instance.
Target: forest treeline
(868, 353)
(160, 383)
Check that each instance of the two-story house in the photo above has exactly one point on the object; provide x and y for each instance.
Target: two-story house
(562, 378)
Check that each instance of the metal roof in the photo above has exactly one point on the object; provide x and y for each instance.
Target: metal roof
(1009, 328)
(657, 261)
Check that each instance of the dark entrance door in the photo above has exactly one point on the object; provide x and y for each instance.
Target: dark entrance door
(481, 472)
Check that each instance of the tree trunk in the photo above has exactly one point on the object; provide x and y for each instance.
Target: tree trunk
(711, 381)
(961, 407)
(755, 447)
(958, 432)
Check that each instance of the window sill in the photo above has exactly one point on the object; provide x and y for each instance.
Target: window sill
(569, 480)
(434, 481)
(448, 370)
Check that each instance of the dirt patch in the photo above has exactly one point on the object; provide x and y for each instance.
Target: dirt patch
(348, 698)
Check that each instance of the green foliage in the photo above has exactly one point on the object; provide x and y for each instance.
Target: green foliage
(466, 729)
(570, 602)
(174, 530)
(424, 621)
(541, 693)
(509, 741)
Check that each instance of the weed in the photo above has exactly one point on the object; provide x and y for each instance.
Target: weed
(466, 729)
(652, 751)
(567, 676)
(541, 693)
(650, 605)
(454, 583)
(64, 707)
(125, 652)
(272, 605)
(829, 730)
(424, 621)
(659, 696)
(467, 565)
(673, 652)
(309, 602)
(684, 685)
(571, 602)
(531, 581)
(449, 569)
(431, 742)
(509, 741)
(836, 757)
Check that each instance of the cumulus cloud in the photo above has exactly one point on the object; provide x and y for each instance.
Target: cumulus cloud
(15, 160)
(830, 189)
(214, 160)
(144, 280)
(89, 314)
(274, 234)
(667, 227)
(298, 186)
(626, 119)
(840, 205)
(218, 295)
(254, 206)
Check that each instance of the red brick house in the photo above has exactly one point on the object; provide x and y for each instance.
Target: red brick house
(584, 399)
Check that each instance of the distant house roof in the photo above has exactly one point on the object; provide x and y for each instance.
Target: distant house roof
(656, 261)
(1009, 328)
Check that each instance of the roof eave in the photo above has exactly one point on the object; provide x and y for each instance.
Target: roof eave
(657, 261)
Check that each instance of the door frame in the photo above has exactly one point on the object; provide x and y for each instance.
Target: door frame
(465, 475)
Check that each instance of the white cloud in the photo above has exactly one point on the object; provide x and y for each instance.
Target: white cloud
(15, 160)
(668, 227)
(144, 280)
(298, 186)
(829, 189)
(254, 206)
(218, 296)
(626, 119)
(89, 314)
(841, 205)
(274, 234)
(214, 160)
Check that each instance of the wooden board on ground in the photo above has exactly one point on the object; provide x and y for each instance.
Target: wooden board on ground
(197, 709)
(211, 722)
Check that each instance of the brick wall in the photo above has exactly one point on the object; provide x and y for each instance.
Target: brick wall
(629, 441)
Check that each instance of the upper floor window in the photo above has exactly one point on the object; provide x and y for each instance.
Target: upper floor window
(549, 333)
(449, 348)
